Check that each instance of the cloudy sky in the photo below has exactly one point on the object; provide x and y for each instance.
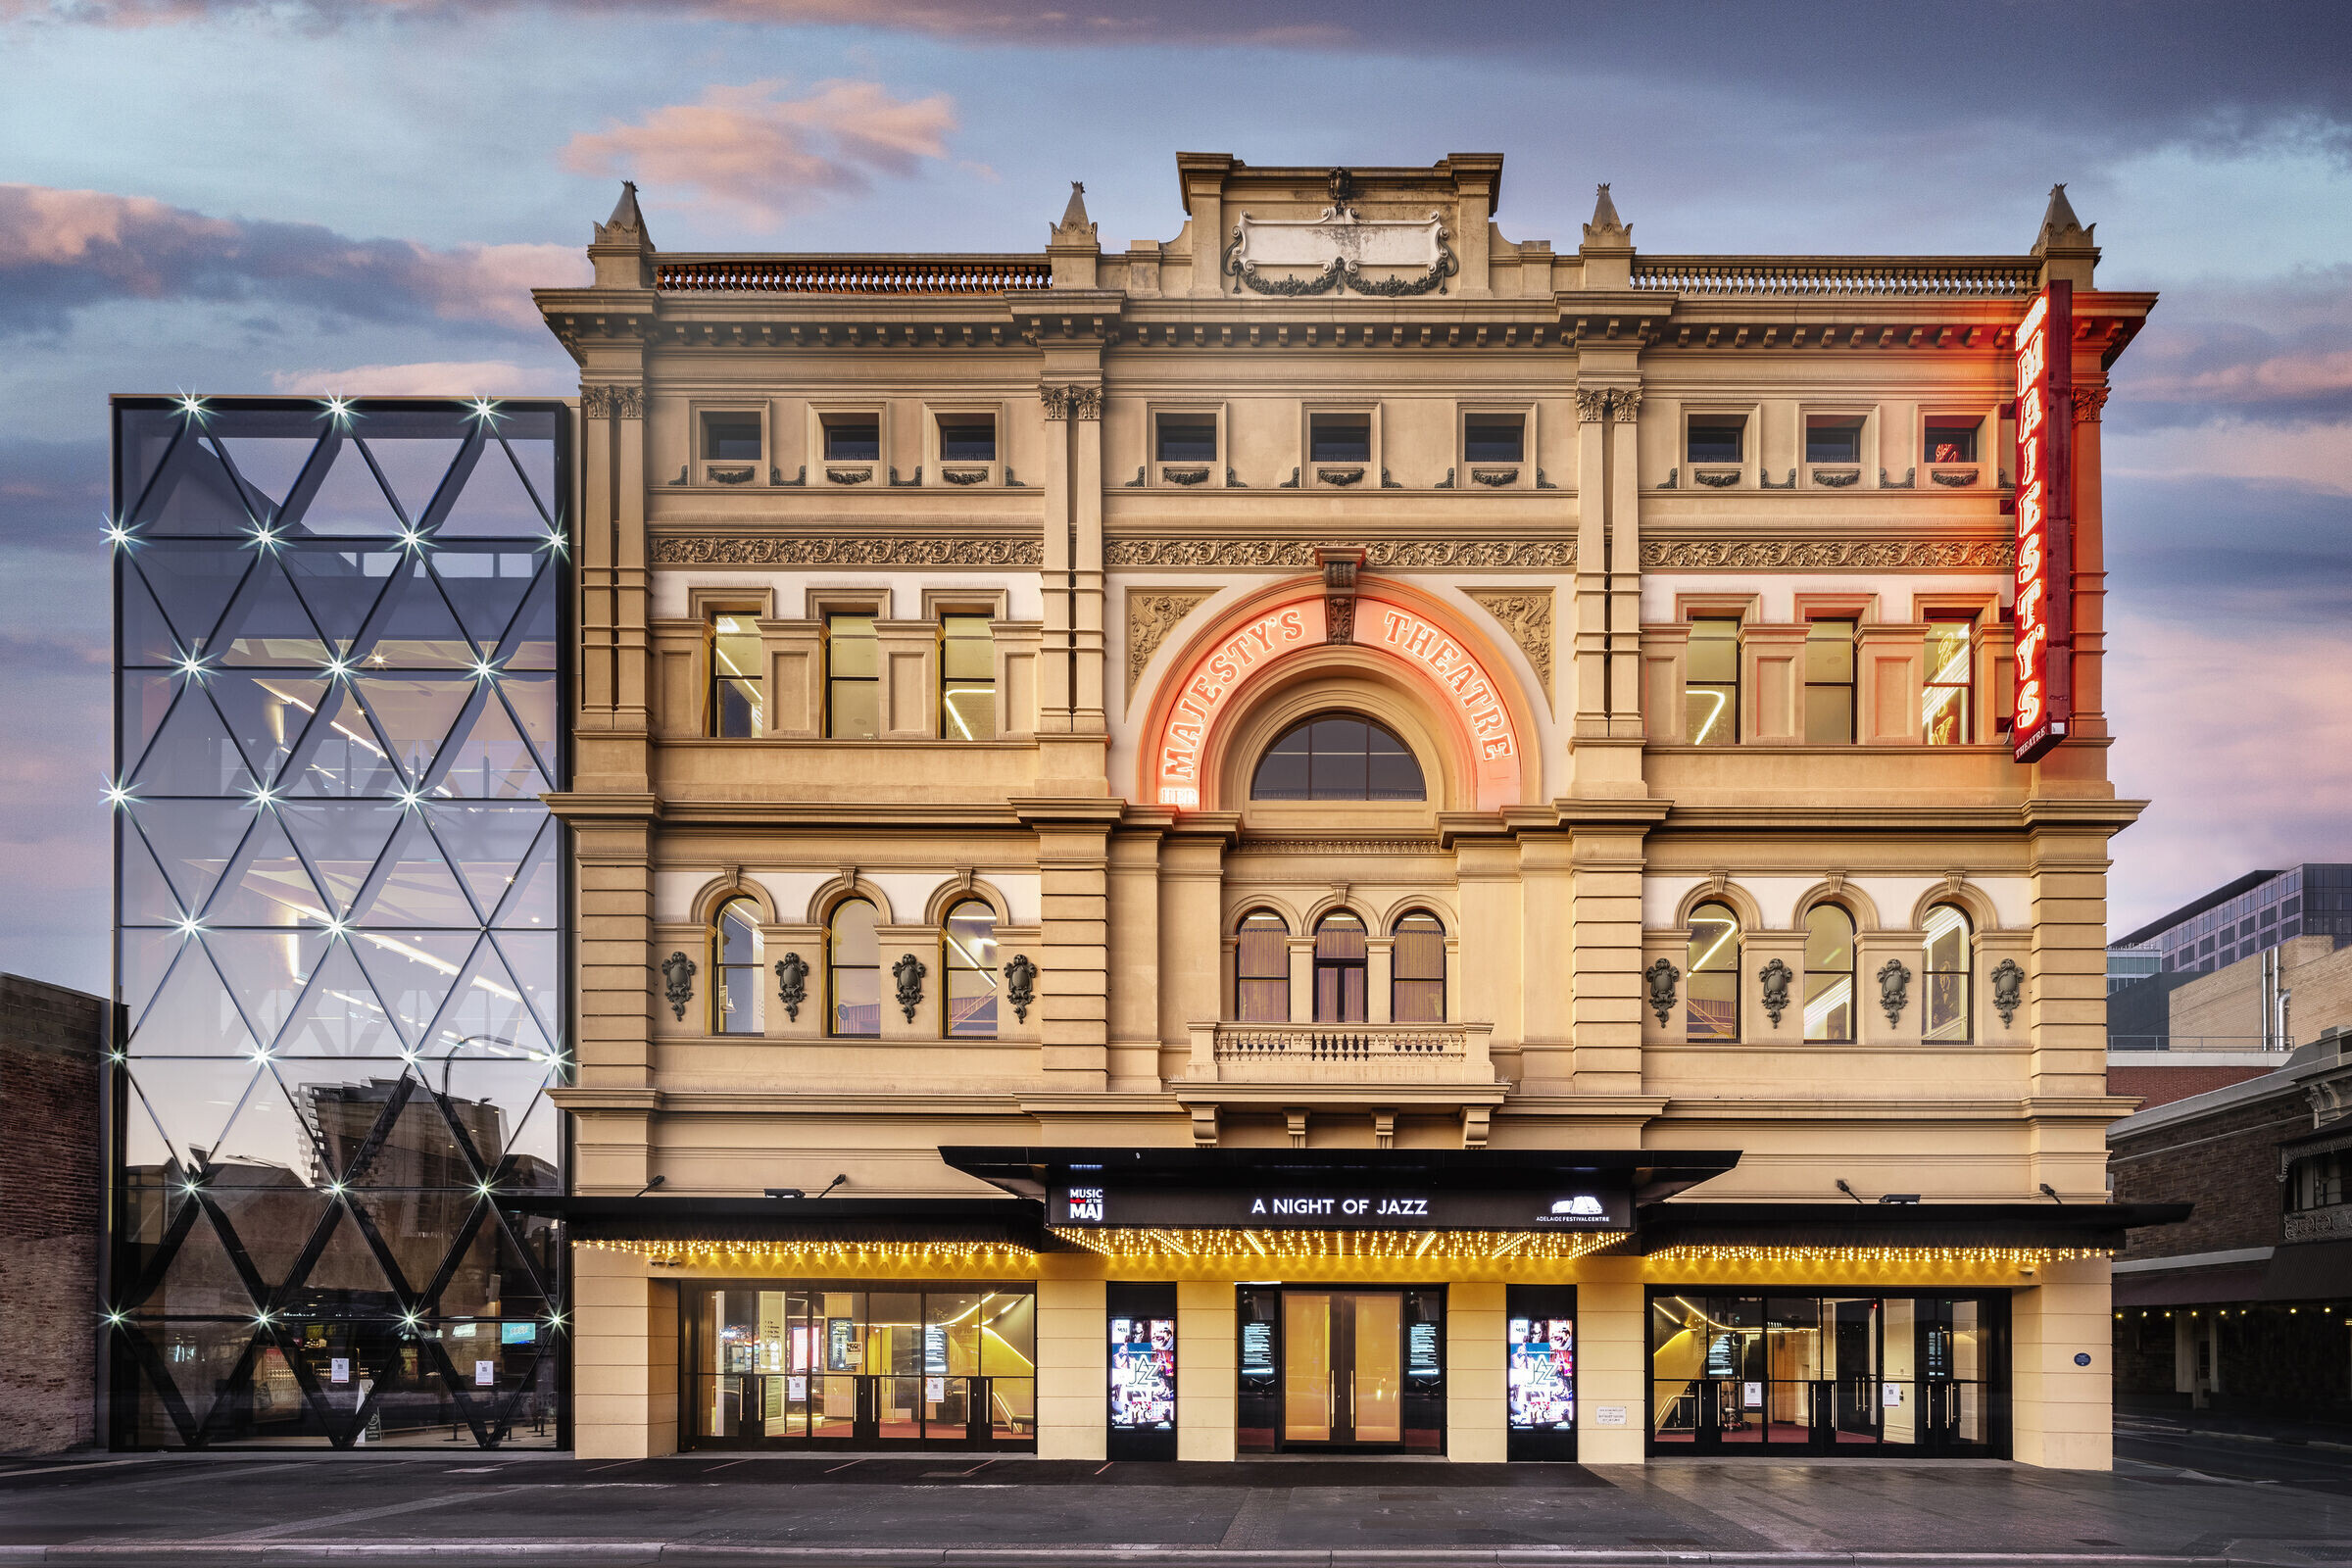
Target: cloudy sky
(305, 195)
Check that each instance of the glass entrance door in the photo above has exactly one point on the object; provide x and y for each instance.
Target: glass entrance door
(1342, 1366)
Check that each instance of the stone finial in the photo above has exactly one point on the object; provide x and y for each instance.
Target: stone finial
(2061, 230)
(1606, 227)
(1075, 227)
(622, 252)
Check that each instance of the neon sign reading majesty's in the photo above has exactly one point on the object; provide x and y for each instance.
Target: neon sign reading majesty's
(2046, 523)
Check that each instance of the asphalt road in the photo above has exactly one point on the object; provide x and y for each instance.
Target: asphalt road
(2174, 1499)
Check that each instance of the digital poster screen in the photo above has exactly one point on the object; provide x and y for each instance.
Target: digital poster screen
(1143, 1374)
(1543, 1374)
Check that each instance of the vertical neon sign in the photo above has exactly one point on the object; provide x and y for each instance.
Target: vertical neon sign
(2046, 523)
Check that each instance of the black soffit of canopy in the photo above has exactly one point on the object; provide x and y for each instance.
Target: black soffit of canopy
(1640, 1180)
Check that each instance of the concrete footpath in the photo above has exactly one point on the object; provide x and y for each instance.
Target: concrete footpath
(2180, 1506)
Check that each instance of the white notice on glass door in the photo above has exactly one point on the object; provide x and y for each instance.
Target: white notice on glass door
(338, 1370)
(485, 1374)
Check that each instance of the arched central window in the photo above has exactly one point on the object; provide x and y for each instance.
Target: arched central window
(1340, 968)
(1337, 756)
(1417, 977)
(1829, 975)
(1714, 961)
(854, 970)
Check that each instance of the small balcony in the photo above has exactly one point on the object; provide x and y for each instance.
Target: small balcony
(1432, 1054)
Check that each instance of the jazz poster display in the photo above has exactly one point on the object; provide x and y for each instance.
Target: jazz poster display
(1143, 1373)
(1542, 1373)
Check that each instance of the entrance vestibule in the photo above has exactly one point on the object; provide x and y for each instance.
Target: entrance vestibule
(1325, 1367)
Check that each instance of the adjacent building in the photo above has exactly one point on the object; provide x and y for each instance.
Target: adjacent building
(1341, 831)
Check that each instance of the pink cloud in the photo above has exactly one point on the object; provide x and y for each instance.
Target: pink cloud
(64, 250)
(765, 157)
(432, 378)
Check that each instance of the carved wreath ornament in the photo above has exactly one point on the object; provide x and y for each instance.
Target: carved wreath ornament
(1894, 989)
(1661, 976)
(908, 972)
(792, 984)
(677, 982)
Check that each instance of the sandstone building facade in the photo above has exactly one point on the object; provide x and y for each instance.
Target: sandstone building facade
(1182, 851)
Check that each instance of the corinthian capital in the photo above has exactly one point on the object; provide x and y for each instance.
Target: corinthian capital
(2089, 400)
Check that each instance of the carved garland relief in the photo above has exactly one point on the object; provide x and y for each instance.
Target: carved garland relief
(817, 550)
(1153, 613)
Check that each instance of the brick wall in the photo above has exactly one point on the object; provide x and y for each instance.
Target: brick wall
(2226, 1163)
(51, 1161)
(2161, 1086)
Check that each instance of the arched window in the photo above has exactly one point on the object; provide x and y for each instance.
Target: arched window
(1829, 974)
(735, 959)
(1714, 982)
(1337, 756)
(1951, 971)
(854, 970)
(1261, 970)
(969, 939)
(1340, 968)
(1417, 984)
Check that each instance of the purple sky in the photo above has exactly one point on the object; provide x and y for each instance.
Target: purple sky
(313, 195)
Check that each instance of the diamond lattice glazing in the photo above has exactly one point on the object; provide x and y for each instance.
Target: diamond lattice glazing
(338, 922)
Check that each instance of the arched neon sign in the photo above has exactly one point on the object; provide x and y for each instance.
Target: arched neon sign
(1459, 681)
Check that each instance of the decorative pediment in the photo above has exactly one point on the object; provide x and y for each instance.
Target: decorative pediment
(1334, 249)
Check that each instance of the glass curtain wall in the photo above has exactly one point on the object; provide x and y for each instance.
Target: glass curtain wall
(341, 634)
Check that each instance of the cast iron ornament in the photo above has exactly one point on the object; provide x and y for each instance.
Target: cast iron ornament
(1894, 989)
(908, 972)
(1661, 976)
(677, 982)
(2008, 989)
(792, 984)
(1776, 976)
(1021, 985)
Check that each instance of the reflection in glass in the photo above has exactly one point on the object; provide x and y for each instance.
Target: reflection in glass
(1261, 969)
(1711, 686)
(331, 866)
(1946, 701)
(854, 970)
(1418, 987)
(1950, 978)
(853, 678)
(970, 938)
(736, 655)
(735, 958)
(967, 678)
(1338, 757)
(1830, 683)
(1340, 959)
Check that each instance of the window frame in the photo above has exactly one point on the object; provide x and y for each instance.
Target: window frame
(1695, 617)
(1155, 467)
(936, 416)
(1398, 979)
(1855, 424)
(1851, 686)
(876, 466)
(873, 607)
(1966, 973)
(1281, 979)
(949, 968)
(1851, 974)
(1369, 467)
(1716, 416)
(834, 969)
(1986, 462)
(1866, 445)
(1360, 967)
(1371, 725)
(939, 616)
(699, 415)
(1525, 462)
(1972, 620)
(1694, 965)
(712, 727)
(720, 968)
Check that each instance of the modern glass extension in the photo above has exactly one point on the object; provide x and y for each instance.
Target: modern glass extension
(340, 904)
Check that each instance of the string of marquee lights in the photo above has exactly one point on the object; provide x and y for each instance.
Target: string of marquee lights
(1298, 1246)
(1712, 1252)
(742, 1254)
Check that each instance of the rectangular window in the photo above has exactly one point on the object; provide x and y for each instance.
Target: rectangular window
(1947, 705)
(1339, 438)
(1830, 683)
(967, 678)
(853, 438)
(1495, 438)
(1833, 438)
(1712, 693)
(1715, 440)
(1186, 438)
(852, 677)
(1951, 441)
(736, 654)
(968, 438)
(731, 437)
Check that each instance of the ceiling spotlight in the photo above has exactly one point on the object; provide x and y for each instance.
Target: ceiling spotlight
(484, 670)
(191, 407)
(118, 796)
(266, 537)
(485, 409)
(118, 537)
(190, 925)
(338, 408)
(262, 795)
(411, 539)
(555, 542)
(191, 666)
(338, 667)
